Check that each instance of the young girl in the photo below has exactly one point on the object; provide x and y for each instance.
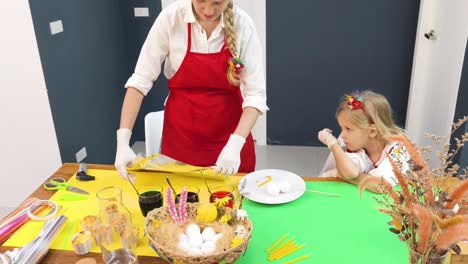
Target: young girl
(365, 119)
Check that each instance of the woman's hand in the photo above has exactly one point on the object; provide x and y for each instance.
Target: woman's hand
(124, 153)
(229, 159)
(326, 137)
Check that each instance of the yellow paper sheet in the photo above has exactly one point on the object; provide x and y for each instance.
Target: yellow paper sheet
(76, 210)
(161, 163)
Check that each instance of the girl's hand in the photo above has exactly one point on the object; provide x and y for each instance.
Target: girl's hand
(326, 137)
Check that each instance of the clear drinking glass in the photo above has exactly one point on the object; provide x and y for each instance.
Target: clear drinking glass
(192, 195)
(150, 197)
(116, 235)
(222, 191)
(118, 246)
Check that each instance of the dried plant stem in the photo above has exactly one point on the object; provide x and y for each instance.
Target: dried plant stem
(422, 208)
(458, 193)
(425, 223)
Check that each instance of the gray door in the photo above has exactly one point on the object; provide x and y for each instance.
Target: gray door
(319, 50)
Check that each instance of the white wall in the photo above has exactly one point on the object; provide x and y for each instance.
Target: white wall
(29, 151)
(437, 69)
(257, 11)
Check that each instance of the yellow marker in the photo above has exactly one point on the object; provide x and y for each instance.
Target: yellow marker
(269, 178)
(276, 243)
(298, 259)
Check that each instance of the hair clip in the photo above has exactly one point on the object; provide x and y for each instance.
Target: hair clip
(354, 101)
(236, 64)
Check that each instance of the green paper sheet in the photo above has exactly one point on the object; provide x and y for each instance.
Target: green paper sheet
(337, 230)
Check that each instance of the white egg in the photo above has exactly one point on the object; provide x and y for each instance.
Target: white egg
(195, 252)
(183, 246)
(183, 237)
(273, 189)
(208, 234)
(192, 229)
(285, 187)
(195, 240)
(217, 236)
(208, 247)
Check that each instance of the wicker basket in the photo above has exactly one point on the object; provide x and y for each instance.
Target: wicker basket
(161, 240)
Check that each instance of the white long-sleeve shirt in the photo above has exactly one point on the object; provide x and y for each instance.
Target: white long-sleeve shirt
(382, 168)
(167, 41)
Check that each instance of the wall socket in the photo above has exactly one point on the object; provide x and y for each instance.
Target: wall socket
(81, 155)
(56, 27)
(141, 11)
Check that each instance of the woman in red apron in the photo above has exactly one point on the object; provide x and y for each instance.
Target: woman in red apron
(207, 119)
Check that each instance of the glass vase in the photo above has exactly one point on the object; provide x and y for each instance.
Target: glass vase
(116, 235)
(432, 257)
(112, 211)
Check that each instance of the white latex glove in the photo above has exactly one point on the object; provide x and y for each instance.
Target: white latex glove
(229, 159)
(124, 153)
(326, 137)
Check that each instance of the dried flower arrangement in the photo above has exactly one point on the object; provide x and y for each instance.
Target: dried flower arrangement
(429, 208)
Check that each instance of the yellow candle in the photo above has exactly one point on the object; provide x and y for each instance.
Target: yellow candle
(282, 252)
(292, 251)
(298, 259)
(281, 247)
(276, 243)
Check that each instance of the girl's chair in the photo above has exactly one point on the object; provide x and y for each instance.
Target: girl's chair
(153, 132)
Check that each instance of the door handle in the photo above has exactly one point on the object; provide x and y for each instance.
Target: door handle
(430, 35)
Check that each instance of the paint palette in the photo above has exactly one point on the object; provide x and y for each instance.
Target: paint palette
(254, 186)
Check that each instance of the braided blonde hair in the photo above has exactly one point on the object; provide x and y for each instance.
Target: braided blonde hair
(230, 35)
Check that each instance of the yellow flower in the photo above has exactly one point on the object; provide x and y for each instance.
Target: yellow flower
(178, 262)
(156, 223)
(225, 218)
(222, 201)
(236, 241)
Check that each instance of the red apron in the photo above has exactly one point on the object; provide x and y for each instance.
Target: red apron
(203, 110)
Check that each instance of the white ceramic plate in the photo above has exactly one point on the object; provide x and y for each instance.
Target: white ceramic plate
(249, 186)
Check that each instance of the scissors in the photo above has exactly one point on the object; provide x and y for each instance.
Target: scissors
(61, 184)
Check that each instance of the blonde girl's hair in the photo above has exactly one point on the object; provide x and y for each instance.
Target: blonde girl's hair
(230, 35)
(375, 111)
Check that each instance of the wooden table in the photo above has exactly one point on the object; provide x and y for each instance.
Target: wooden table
(61, 256)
